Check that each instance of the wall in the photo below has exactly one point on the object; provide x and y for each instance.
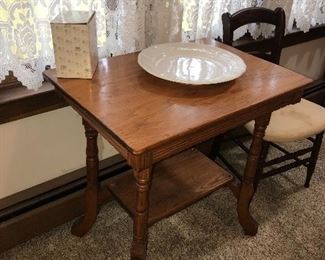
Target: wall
(307, 58)
(39, 148)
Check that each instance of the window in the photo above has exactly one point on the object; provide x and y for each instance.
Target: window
(124, 26)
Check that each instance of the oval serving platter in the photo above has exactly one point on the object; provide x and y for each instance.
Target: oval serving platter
(191, 63)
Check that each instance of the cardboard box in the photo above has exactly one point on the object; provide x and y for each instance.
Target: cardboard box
(75, 44)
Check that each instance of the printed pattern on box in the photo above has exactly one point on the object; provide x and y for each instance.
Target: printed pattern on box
(75, 47)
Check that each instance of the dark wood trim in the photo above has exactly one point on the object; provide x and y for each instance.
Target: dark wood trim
(299, 37)
(10, 81)
(30, 224)
(247, 44)
(17, 102)
(62, 197)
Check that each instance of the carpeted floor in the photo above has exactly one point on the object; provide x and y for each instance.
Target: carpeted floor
(291, 217)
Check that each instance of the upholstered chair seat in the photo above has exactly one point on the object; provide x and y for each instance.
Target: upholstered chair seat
(294, 122)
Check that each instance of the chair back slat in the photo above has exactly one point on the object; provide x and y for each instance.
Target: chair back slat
(231, 22)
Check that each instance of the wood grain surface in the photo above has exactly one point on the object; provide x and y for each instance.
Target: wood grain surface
(177, 182)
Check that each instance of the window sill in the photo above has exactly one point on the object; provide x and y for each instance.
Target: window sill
(246, 43)
(17, 102)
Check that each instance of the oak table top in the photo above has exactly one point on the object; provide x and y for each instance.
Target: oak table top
(142, 112)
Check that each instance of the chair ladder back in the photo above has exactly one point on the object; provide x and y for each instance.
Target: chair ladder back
(257, 15)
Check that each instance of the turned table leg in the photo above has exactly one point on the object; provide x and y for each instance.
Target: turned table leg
(246, 193)
(140, 220)
(84, 224)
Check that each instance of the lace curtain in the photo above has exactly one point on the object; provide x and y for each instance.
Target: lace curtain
(126, 26)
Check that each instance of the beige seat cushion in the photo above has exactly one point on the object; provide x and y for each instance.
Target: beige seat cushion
(294, 122)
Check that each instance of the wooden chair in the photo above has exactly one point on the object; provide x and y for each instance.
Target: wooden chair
(303, 120)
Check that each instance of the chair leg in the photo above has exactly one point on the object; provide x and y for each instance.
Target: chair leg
(261, 161)
(313, 158)
(215, 147)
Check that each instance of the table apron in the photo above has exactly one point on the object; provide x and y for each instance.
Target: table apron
(181, 143)
(94, 123)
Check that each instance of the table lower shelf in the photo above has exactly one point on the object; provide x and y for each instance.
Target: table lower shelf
(177, 182)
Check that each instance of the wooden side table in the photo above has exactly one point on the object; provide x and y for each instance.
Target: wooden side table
(150, 122)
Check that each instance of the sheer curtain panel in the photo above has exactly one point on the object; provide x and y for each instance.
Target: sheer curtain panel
(125, 26)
